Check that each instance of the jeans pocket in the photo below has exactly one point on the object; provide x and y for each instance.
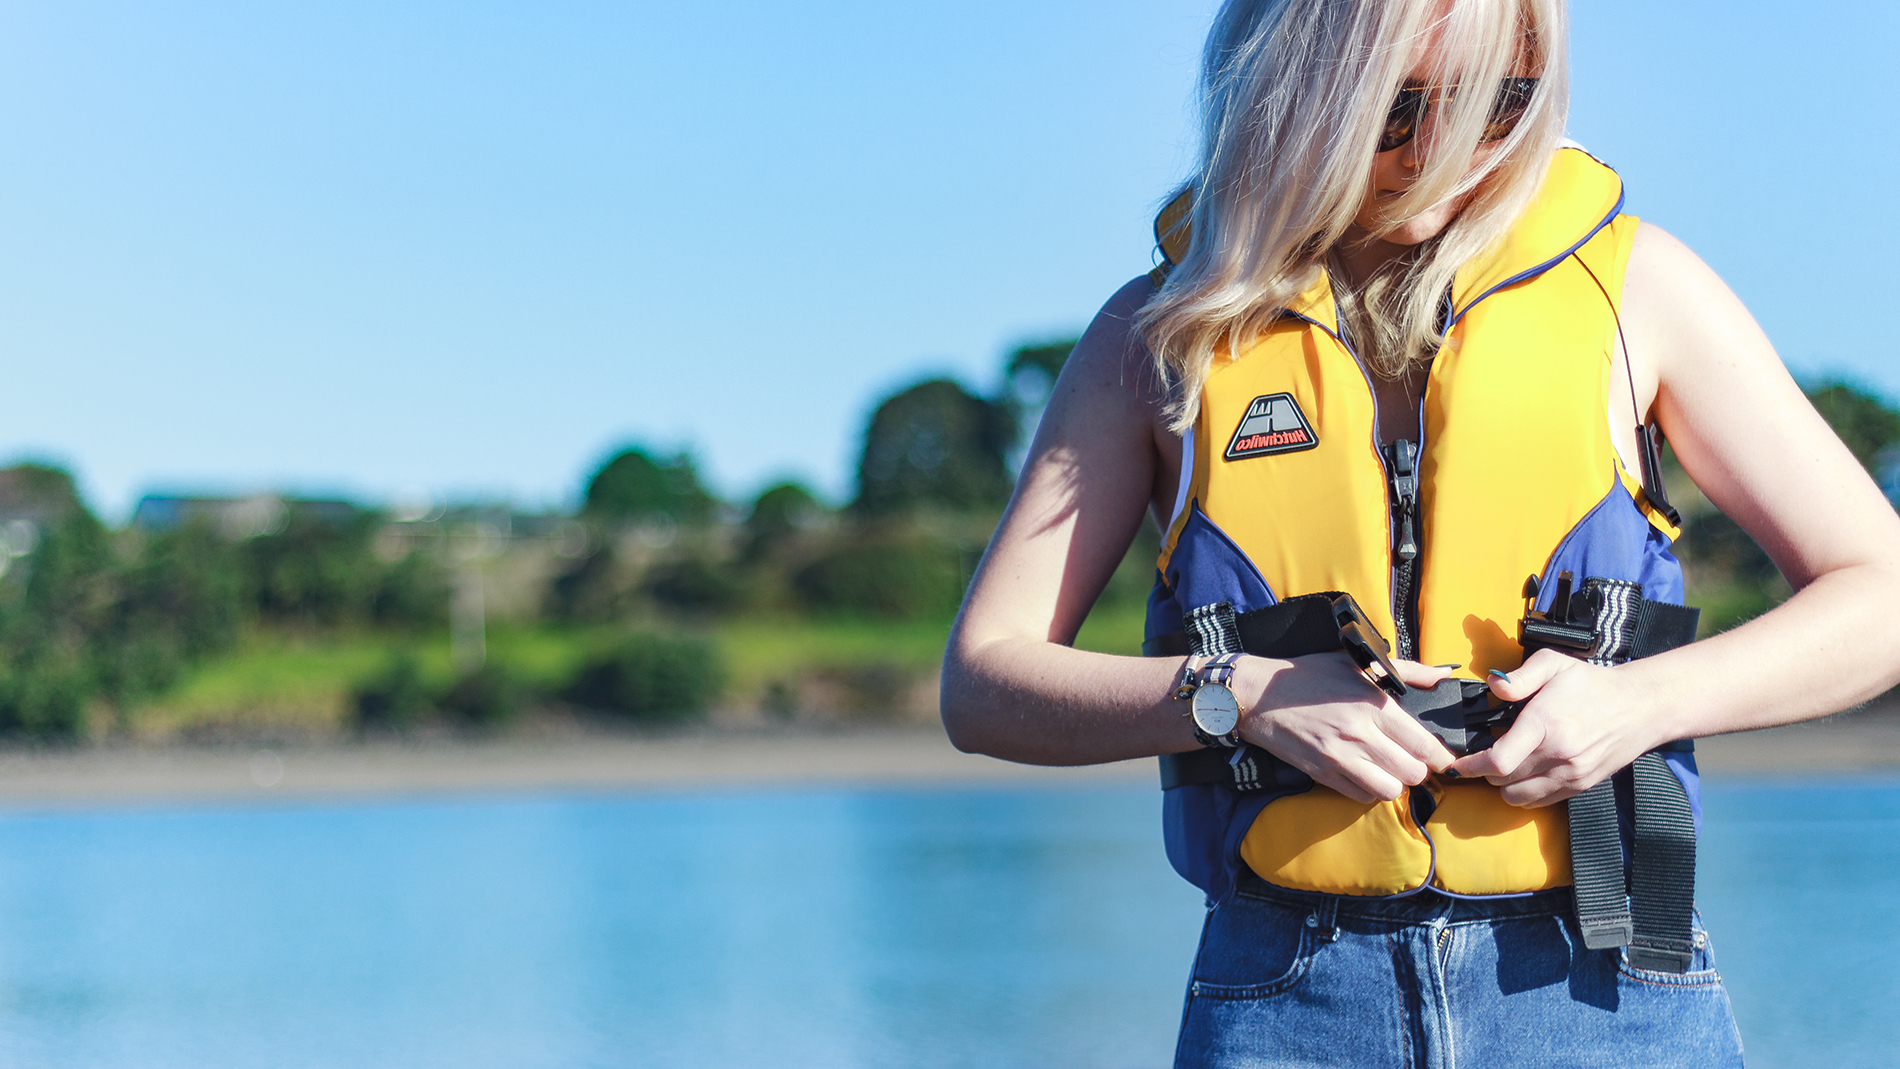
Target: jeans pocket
(1254, 948)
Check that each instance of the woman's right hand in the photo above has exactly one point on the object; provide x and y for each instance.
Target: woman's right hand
(1322, 716)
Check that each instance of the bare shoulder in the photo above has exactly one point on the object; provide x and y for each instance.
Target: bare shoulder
(1111, 376)
(1669, 290)
(1690, 325)
(1657, 247)
(1111, 343)
(1662, 273)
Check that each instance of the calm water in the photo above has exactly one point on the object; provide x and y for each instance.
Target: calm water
(796, 928)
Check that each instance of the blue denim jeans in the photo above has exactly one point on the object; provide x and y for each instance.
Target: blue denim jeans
(1285, 978)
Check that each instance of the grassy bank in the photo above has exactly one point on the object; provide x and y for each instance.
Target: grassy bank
(278, 681)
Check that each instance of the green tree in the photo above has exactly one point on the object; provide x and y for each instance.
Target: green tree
(182, 597)
(1030, 371)
(413, 591)
(695, 584)
(1865, 422)
(590, 590)
(1029, 380)
(320, 569)
(55, 603)
(779, 515)
(1734, 579)
(39, 493)
(188, 582)
(935, 444)
(633, 485)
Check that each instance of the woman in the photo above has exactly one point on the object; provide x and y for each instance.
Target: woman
(1408, 350)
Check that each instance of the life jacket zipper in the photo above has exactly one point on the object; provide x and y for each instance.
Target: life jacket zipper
(1400, 461)
(1401, 468)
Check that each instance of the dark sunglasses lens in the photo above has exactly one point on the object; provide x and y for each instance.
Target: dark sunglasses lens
(1402, 121)
(1513, 100)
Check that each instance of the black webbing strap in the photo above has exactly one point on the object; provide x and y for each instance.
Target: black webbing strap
(1663, 896)
(1653, 917)
(1293, 628)
(1194, 768)
(1245, 769)
(1661, 626)
(1302, 625)
(1596, 869)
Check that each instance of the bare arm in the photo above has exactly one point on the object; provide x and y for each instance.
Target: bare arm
(1011, 686)
(1752, 442)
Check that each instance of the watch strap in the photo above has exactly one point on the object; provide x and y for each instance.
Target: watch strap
(1220, 669)
(1229, 741)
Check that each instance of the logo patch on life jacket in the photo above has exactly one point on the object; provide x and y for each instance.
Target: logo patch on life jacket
(1273, 424)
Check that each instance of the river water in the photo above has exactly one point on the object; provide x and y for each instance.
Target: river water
(784, 928)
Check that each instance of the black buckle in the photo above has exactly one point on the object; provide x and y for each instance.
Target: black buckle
(1366, 646)
(1461, 713)
(1571, 623)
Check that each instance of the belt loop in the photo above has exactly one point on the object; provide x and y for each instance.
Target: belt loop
(1328, 913)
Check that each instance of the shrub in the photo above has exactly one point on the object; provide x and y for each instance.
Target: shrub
(652, 677)
(695, 584)
(320, 569)
(413, 592)
(44, 694)
(187, 583)
(590, 590)
(889, 579)
(489, 697)
(393, 699)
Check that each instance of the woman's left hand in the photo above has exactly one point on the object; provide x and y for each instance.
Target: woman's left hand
(1583, 723)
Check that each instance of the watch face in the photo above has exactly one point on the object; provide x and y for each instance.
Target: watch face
(1216, 710)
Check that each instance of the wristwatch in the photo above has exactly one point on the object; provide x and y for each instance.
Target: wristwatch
(1212, 706)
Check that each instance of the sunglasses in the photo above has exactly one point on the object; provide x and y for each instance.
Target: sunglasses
(1408, 111)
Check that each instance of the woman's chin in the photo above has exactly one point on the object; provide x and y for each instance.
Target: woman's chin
(1419, 229)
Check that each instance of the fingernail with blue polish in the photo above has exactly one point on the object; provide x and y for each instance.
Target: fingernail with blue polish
(1500, 675)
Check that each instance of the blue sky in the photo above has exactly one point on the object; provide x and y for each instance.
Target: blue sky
(467, 249)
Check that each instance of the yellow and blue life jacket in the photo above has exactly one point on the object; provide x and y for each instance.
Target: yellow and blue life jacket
(1285, 492)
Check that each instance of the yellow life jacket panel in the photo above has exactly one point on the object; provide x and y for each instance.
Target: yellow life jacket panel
(1287, 493)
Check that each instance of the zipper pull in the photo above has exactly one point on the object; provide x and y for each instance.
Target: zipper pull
(1402, 465)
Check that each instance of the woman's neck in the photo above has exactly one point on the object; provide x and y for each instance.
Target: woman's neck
(1354, 263)
(1358, 258)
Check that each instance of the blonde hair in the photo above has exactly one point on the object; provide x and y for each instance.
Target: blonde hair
(1295, 95)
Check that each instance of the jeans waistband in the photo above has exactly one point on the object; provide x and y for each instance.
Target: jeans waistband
(1418, 907)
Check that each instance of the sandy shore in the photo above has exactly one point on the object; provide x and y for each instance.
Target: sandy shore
(1865, 742)
(892, 756)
